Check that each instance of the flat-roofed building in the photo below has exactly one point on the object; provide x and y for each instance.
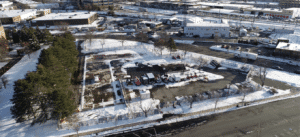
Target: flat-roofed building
(289, 3)
(278, 13)
(70, 18)
(207, 29)
(98, 2)
(12, 16)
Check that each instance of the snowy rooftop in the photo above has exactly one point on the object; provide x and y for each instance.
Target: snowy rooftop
(258, 2)
(220, 11)
(151, 22)
(288, 46)
(6, 2)
(27, 2)
(13, 13)
(71, 15)
(206, 24)
(225, 5)
(265, 9)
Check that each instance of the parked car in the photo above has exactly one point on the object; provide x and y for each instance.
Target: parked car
(277, 67)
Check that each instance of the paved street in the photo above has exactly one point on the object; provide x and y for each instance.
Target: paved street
(276, 119)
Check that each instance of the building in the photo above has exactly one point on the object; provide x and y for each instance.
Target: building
(151, 24)
(6, 4)
(12, 16)
(258, 4)
(225, 5)
(206, 29)
(2, 32)
(289, 3)
(173, 5)
(98, 2)
(288, 49)
(70, 18)
(277, 13)
(38, 5)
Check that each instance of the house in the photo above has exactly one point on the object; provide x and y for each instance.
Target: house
(207, 29)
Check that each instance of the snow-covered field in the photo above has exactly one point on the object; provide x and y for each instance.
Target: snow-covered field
(283, 76)
(2, 64)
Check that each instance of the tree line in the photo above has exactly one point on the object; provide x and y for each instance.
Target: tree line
(49, 93)
(29, 38)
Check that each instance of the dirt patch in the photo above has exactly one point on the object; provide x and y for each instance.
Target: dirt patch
(169, 94)
(104, 92)
(112, 56)
(273, 83)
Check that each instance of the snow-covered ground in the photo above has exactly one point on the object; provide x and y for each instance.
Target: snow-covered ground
(283, 76)
(2, 64)
(293, 38)
(8, 126)
(145, 53)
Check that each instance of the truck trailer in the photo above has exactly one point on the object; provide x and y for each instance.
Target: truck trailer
(246, 55)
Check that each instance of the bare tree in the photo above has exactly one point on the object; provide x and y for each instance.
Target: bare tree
(89, 36)
(146, 107)
(160, 44)
(122, 39)
(62, 26)
(102, 41)
(73, 123)
(216, 99)
(191, 100)
(142, 37)
(4, 80)
(201, 61)
(244, 90)
(263, 66)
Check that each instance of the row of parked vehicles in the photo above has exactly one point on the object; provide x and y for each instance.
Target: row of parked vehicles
(171, 78)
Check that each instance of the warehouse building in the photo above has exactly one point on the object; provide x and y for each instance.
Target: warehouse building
(98, 2)
(206, 29)
(12, 16)
(278, 13)
(71, 18)
(288, 49)
(289, 3)
(225, 5)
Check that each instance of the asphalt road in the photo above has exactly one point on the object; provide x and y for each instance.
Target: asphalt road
(275, 119)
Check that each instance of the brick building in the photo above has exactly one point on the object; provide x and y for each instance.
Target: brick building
(73, 18)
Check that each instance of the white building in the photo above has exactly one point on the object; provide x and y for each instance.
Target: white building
(5, 3)
(206, 29)
(24, 14)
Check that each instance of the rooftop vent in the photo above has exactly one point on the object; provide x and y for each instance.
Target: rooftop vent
(288, 45)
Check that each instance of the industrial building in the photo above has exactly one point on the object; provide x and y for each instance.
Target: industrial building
(12, 16)
(71, 18)
(258, 4)
(98, 2)
(278, 13)
(289, 3)
(225, 5)
(206, 29)
(168, 5)
(288, 49)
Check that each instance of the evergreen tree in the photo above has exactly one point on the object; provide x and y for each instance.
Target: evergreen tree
(47, 36)
(3, 48)
(15, 36)
(46, 93)
(39, 34)
(171, 44)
